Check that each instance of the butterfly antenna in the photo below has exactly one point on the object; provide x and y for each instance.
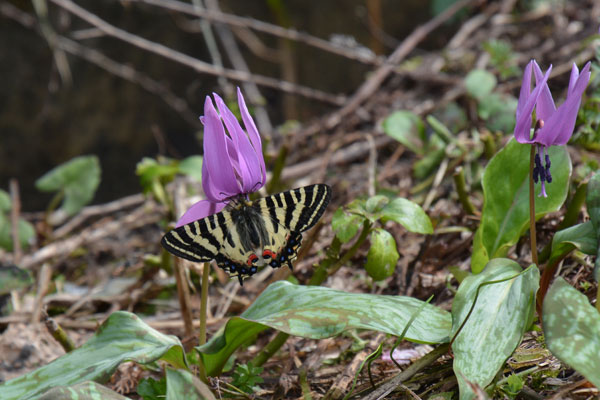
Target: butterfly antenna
(241, 279)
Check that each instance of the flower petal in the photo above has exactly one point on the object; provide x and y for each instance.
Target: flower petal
(573, 78)
(545, 105)
(525, 108)
(218, 176)
(253, 135)
(199, 210)
(558, 129)
(249, 169)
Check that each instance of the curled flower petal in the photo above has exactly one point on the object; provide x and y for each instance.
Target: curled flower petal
(218, 176)
(559, 127)
(253, 135)
(526, 104)
(545, 104)
(249, 167)
(199, 210)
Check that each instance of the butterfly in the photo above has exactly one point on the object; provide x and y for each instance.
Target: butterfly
(247, 234)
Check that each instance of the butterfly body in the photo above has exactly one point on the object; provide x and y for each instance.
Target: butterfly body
(247, 235)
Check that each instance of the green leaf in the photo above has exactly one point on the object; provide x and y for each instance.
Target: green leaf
(408, 214)
(153, 171)
(498, 111)
(345, 225)
(78, 179)
(13, 278)
(182, 384)
(122, 337)
(26, 233)
(581, 237)
(407, 128)
(505, 215)
(593, 207)
(82, 391)
(382, 256)
(375, 204)
(152, 389)
(192, 167)
(572, 329)
(246, 377)
(5, 203)
(502, 313)
(317, 312)
(480, 83)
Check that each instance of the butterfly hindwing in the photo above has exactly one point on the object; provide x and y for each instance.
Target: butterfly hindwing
(246, 235)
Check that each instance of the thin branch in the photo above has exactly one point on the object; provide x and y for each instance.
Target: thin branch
(275, 30)
(237, 60)
(195, 64)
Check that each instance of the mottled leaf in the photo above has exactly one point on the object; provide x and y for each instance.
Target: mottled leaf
(502, 313)
(408, 214)
(480, 83)
(122, 337)
(182, 384)
(572, 329)
(318, 312)
(593, 207)
(382, 256)
(82, 391)
(407, 128)
(13, 278)
(505, 215)
(78, 179)
(581, 237)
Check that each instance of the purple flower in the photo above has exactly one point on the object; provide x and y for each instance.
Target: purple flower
(553, 126)
(233, 161)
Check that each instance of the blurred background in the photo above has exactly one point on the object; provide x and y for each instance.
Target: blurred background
(84, 77)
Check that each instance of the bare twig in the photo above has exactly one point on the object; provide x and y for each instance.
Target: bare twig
(374, 82)
(146, 214)
(43, 282)
(237, 60)
(195, 64)
(14, 219)
(265, 27)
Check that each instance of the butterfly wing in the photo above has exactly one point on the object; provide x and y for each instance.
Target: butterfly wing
(289, 214)
(272, 224)
(199, 241)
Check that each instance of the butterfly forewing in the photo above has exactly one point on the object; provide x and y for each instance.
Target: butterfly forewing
(299, 209)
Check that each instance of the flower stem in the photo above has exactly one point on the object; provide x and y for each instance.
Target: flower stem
(270, 349)
(532, 234)
(203, 303)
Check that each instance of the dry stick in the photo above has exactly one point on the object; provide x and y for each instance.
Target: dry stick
(141, 216)
(44, 277)
(128, 73)
(374, 82)
(195, 64)
(58, 332)
(14, 219)
(183, 294)
(237, 60)
(121, 70)
(397, 380)
(275, 30)
(340, 386)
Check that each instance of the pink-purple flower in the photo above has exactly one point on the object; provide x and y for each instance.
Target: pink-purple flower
(553, 126)
(233, 161)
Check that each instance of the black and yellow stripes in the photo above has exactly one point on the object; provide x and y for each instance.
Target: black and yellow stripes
(268, 230)
(296, 210)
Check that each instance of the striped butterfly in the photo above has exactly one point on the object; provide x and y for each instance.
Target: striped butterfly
(247, 235)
